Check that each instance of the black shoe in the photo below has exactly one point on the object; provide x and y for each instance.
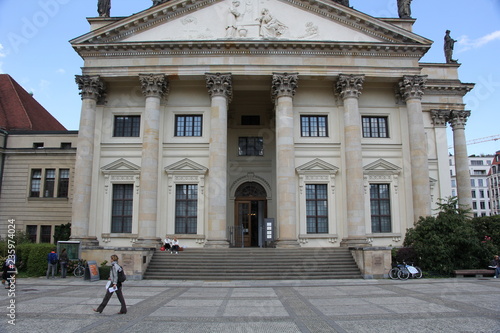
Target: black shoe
(121, 312)
(95, 310)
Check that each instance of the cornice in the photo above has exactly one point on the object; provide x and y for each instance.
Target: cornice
(447, 87)
(245, 47)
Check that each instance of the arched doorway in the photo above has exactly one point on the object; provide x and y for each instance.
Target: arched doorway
(250, 210)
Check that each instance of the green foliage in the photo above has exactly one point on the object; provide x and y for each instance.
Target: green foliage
(62, 232)
(104, 272)
(33, 258)
(451, 240)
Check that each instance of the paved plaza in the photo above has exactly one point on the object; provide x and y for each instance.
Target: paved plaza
(426, 305)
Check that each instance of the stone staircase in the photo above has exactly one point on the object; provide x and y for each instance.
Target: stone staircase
(254, 264)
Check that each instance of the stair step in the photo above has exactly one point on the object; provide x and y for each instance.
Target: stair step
(253, 264)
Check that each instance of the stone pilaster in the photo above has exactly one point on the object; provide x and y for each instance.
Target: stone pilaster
(411, 90)
(221, 90)
(91, 89)
(349, 87)
(154, 87)
(284, 86)
(458, 119)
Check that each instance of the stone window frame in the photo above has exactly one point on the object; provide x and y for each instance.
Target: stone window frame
(119, 172)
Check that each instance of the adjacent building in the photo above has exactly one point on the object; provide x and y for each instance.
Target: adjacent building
(494, 184)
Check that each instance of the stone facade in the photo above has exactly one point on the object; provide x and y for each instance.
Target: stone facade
(321, 111)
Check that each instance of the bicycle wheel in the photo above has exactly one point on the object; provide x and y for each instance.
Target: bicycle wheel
(393, 273)
(403, 274)
(417, 275)
(79, 271)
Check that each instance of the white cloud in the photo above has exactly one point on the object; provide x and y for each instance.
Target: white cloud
(2, 55)
(61, 71)
(466, 43)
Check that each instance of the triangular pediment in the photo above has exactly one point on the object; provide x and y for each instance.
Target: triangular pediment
(382, 166)
(317, 166)
(120, 166)
(181, 22)
(186, 166)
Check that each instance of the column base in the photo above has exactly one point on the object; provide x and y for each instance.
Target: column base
(86, 241)
(216, 244)
(147, 242)
(286, 244)
(354, 242)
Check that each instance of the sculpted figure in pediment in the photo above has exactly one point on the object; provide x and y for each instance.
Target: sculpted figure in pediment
(343, 2)
(404, 8)
(232, 19)
(158, 2)
(104, 8)
(270, 27)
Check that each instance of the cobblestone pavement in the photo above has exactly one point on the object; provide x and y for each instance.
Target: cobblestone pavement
(425, 305)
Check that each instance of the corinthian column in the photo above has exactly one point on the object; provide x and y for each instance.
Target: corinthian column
(411, 89)
(283, 90)
(91, 90)
(457, 121)
(154, 87)
(221, 91)
(349, 88)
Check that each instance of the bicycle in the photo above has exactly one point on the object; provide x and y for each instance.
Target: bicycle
(408, 271)
(79, 269)
(393, 273)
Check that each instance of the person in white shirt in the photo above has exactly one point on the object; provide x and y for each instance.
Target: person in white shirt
(167, 243)
(175, 246)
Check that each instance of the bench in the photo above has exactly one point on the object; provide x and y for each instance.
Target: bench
(460, 273)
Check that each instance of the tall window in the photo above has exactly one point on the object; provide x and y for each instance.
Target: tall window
(127, 126)
(50, 180)
(45, 234)
(36, 182)
(188, 125)
(313, 126)
(375, 127)
(31, 230)
(380, 208)
(121, 219)
(317, 208)
(251, 146)
(62, 190)
(186, 209)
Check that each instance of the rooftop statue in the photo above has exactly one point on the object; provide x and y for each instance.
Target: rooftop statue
(449, 44)
(104, 7)
(404, 8)
(342, 2)
(158, 2)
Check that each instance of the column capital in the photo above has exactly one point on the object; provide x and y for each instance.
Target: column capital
(349, 85)
(220, 84)
(412, 86)
(91, 87)
(458, 118)
(284, 84)
(154, 85)
(440, 117)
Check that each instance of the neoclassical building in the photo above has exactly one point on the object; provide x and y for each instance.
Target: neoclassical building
(294, 123)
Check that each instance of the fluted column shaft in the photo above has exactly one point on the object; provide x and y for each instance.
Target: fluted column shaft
(349, 88)
(154, 88)
(283, 89)
(91, 89)
(411, 89)
(457, 121)
(220, 89)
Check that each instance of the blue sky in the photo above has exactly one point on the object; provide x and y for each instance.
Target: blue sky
(35, 51)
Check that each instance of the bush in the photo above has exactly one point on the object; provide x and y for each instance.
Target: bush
(104, 272)
(449, 240)
(36, 263)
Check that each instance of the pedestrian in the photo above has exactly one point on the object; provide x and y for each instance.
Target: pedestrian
(52, 260)
(115, 287)
(495, 264)
(63, 261)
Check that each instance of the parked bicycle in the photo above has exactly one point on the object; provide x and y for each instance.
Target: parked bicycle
(79, 269)
(404, 271)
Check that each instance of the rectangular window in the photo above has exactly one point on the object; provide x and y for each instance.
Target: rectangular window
(188, 125)
(31, 230)
(473, 193)
(473, 183)
(313, 126)
(480, 183)
(250, 120)
(36, 182)
(375, 127)
(50, 180)
(317, 209)
(251, 146)
(62, 187)
(474, 205)
(127, 126)
(453, 183)
(476, 162)
(45, 234)
(186, 209)
(121, 216)
(481, 193)
(380, 206)
(482, 205)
